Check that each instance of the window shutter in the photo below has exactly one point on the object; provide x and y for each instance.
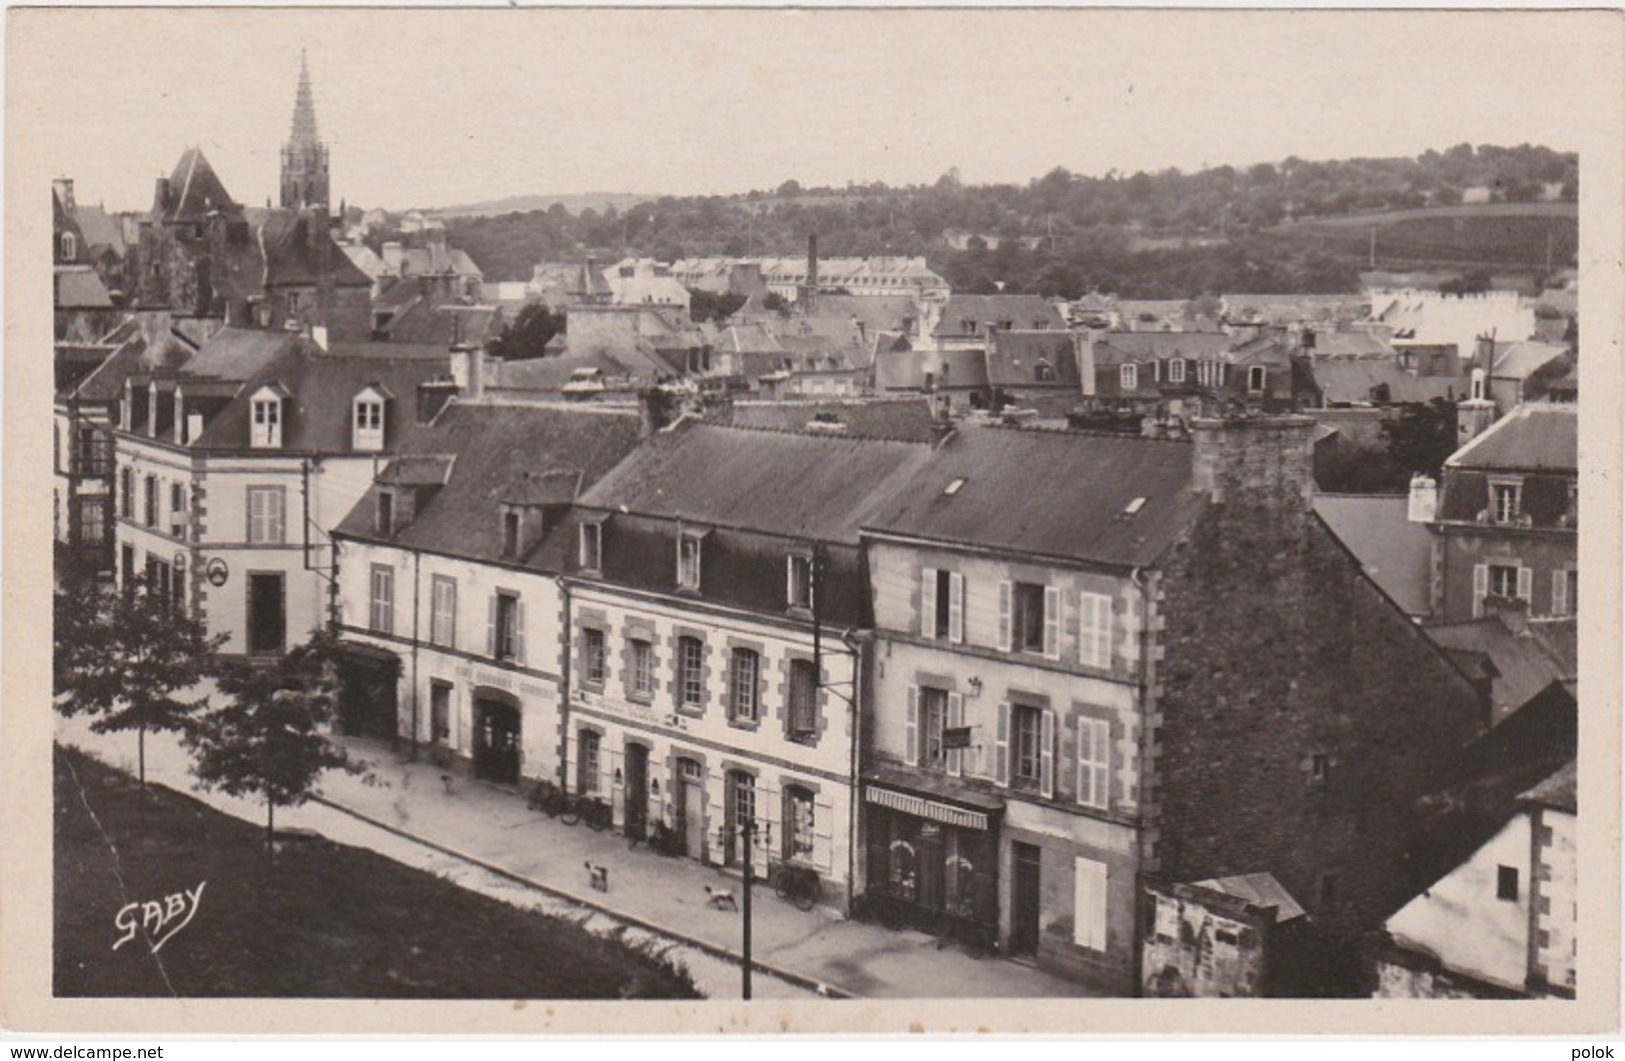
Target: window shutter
(1481, 586)
(519, 632)
(1089, 904)
(1526, 585)
(273, 500)
(1052, 622)
(956, 608)
(1004, 616)
(911, 728)
(1046, 761)
(1560, 592)
(790, 579)
(928, 602)
(1086, 752)
(1001, 746)
(491, 626)
(956, 717)
(823, 854)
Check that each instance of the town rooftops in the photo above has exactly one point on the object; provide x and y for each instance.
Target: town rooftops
(487, 449)
(1119, 347)
(195, 192)
(1356, 381)
(1532, 437)
(1092, 498)
(1395, 553)
(1524, 658)
(78, 287)
(901, 419)
(799, 485)
(1032, 312)
(1522, 360)
(287, 238)
(1025, 358)
(1260, 889)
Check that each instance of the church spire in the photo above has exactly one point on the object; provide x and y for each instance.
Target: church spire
(304, 109)
(304, 156)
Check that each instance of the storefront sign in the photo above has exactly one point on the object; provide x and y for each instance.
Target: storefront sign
(622, 709)
(956, 737)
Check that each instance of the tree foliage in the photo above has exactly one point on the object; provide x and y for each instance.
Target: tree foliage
(529, 333)
(1421, 438)
(710, 306)
(128, 658)
(267, 737)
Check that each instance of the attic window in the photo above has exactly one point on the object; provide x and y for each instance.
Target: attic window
(70, 247)
(953, 488)
(688, 561)
(386, 513)
(369, 422)
(1134, 506)
(511, 531)
(265, 430)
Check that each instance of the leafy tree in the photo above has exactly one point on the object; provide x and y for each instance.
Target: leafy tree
(777, 303)
(267, 739)
(1421, 438)
(527, 337)
(127, 659)
(710, 306)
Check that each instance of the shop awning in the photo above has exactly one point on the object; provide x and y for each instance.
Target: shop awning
(921, 807)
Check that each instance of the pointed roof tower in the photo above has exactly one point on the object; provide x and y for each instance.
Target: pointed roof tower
(304, 156)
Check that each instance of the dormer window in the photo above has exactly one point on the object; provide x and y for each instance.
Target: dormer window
(265, 431)
(1129, 377)
(386, 513)
(1256, 378)
(592, 546)
(367, 421)
(688, 561)
(70, 247)
(512, 526)
(799, 581)
(1176, 370)
(1507, 496)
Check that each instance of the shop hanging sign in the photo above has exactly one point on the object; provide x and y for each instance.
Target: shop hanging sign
(216, 571)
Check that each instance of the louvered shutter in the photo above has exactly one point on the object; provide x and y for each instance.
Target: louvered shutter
(1001, 747)
(1560, 592)
(1526, 585)
(956, 608)
(911, 728)
(1052, 622)
(1089, 904)
(1004, 616)
(1481, 586)
(491, 626)
(274, 499)
(1086, 753)
(823, 853)
(519, 631)
(928, 603)
(956, 718)
(1046, 761)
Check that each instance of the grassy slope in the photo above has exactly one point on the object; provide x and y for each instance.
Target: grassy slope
(1492, 234)
(326, 921)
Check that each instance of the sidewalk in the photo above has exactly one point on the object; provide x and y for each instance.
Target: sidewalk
(490, 827)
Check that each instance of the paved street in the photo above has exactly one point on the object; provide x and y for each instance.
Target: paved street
(486, 838)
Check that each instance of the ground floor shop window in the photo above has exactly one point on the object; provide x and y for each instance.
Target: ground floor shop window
(935, 868)
(798, 823)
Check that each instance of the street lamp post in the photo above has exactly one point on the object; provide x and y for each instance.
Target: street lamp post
(753, 838)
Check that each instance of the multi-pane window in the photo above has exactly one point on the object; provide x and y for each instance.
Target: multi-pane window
(510, 532)
(126, 493)
(594, 661)
(152, 501)
(643, 668)
(381, 617)
(1026, 748)
(1503, 580)
(507, 634)
(369, 424)
(265, 525)
(1506, 883)
(691, 671)
(1094, 761)
(267, 423)
(386, 513)
(1095, 630)
(1129, 376)
(799, 589)
(1508, 501)
(744, 670)
(803, 698)
(443, 611)
(798, 822)
(439, 712)
(1176, 370)
(1028, 617)
(742, 789)
(688, 562)
(587, 763)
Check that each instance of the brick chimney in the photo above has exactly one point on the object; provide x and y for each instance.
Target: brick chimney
(1261, 470)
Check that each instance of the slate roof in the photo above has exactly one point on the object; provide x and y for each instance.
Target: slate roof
(906, 369)
(239, 353)
(1523, 665)
(105, 383)
(195, 192)
(801, 485)
(322, 388)
(417, 471)
(1289, 309)
(494, 444)
(1116, 348)
(78, 287)
(905, 419)
(1350, 344)
(1353, 381)
(1070, 503)
(1558, 791)
(1023, 310)
(390, 349)
(286, 240)
(99, 229)
(552, 373)
(1261, 889)
(1532, 437)
(1522, 360)
(1013, 357)
(1395, 553)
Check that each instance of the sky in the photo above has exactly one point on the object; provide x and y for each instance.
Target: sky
(434, 108)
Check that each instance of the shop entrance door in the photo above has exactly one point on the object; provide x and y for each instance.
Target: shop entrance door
(1024, 893)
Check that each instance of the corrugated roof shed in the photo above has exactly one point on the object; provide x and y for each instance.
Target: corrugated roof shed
(1071, 502)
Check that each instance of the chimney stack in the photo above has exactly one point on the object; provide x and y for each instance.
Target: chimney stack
(160, 194)
(1261, 469)
(433, 396)
(1424, 499)
(655, 410)
(468, 370)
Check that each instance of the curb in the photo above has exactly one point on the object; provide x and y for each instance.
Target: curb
(788, 976)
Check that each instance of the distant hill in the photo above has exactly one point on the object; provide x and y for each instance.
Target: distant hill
(575, 204)
(1539, 236)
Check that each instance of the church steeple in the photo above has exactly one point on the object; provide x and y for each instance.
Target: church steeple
(304, 156)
